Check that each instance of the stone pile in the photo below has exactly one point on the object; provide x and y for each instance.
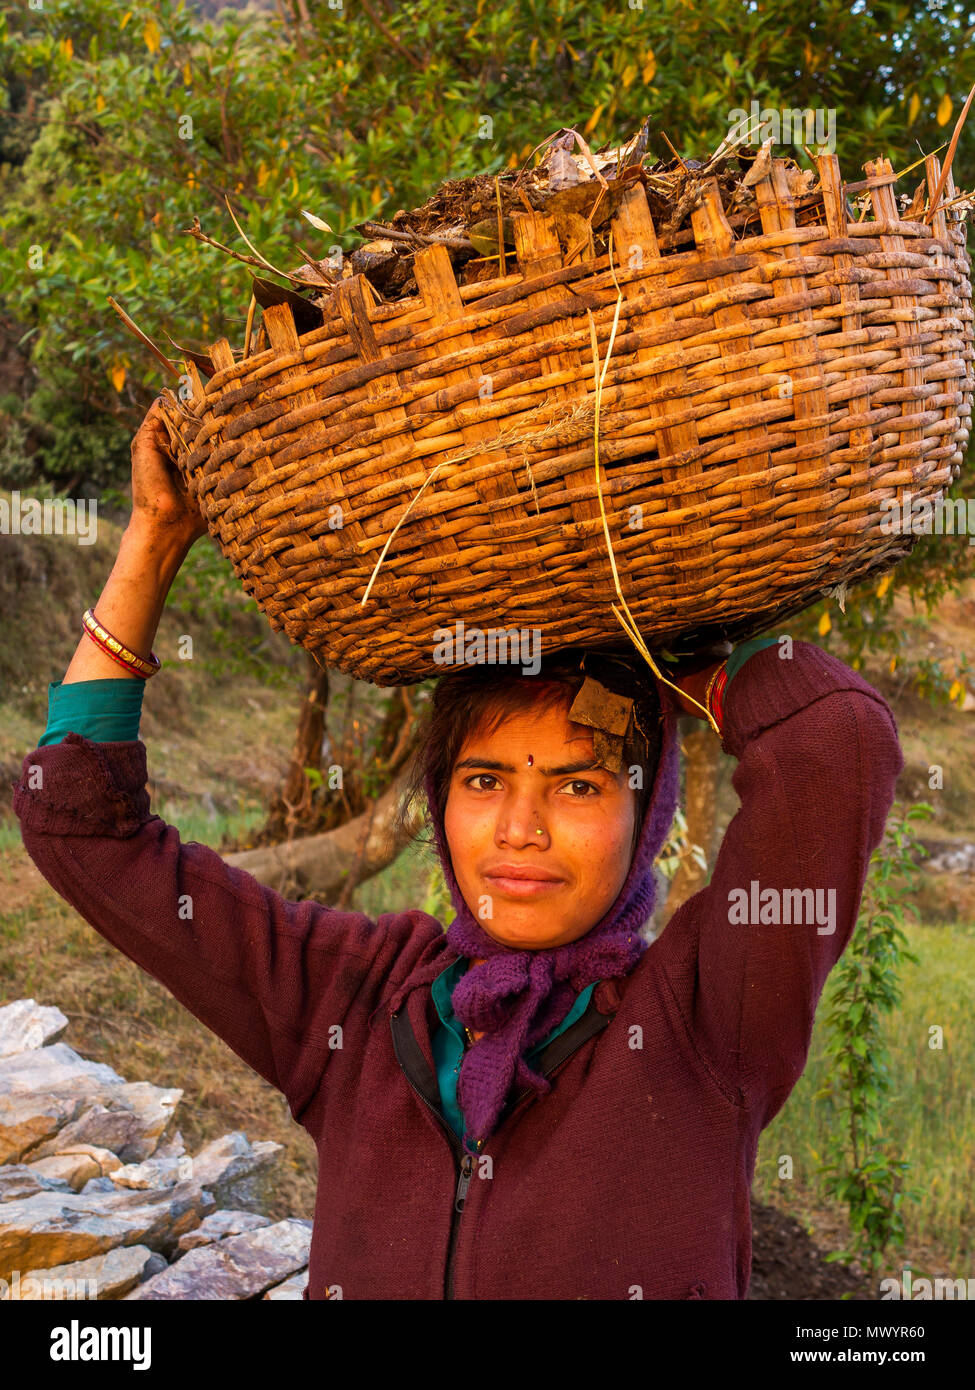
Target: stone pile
(99, 1198)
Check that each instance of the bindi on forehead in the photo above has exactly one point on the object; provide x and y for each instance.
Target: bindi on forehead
(531, 760)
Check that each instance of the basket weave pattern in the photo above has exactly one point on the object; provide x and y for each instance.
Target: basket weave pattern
(765, 393)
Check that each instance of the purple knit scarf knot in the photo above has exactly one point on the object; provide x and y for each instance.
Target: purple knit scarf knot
(516, 998)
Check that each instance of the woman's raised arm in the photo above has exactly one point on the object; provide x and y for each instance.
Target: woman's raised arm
(273, 978)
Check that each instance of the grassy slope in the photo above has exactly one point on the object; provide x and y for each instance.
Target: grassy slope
(218, 743)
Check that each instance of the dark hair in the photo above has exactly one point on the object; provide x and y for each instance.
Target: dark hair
(479, 698)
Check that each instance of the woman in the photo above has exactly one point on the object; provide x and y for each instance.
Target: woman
(536, 1104)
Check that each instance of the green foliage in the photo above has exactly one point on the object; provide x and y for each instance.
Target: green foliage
(676, 846)
(859, 1169)
(437, 902)
(206, 591)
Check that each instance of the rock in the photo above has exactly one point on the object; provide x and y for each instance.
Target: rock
(155, 1172)
(292, 1288)
(103, 1276)
(171, 1147)
(155, 1263)
(98, 1185)
(27, 1120)
(220, 1224)
(237, 1172)
(129, 1119)
(25, 1024)
(52, 1228)
(241, 1266)
(19, 1180)
(51, 1069)
(74, 1168)
(106, 1160)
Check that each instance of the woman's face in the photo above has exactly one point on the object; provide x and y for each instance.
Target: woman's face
(534, 772)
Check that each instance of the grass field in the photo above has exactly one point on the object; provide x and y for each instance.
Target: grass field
(930, 1113)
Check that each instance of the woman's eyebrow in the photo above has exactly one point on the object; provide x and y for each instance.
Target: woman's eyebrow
(492, 765)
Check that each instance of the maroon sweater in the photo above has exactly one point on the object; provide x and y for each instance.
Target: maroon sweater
(631, 1178)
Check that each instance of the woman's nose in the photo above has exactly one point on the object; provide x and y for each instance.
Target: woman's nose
(521, 822)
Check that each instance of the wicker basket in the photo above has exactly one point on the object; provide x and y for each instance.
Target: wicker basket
(765, 393)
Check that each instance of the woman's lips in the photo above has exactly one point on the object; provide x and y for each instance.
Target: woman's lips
(524, 887)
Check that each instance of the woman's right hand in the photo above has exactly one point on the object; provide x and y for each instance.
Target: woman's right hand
(160, 500)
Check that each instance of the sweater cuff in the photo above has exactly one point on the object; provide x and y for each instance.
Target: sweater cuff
(770, 687)
(742, 652)
(104, 711)
(78, 787)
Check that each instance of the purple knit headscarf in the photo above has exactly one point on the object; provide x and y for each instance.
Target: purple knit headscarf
(516, 997)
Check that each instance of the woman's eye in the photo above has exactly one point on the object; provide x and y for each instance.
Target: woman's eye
(487, 776)
(478, 777)
(588, 785)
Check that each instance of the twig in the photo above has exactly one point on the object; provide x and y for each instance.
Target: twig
(250, 324)
(497, 193)
(197, 231)
(951, 154)
(265, 263)
(142, 337)
(376, 229)
(674, 152)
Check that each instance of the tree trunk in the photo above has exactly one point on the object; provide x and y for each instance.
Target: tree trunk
(292, 807)
(327, 866)
(702, 752)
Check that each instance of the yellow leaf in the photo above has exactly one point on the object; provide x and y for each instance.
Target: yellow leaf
(884, 585)
(893, 664)
(377, 196)
(913, 109)
(526, 151)
(191, 180)
(943, 113)
(67, 48)
(572, 51)
(117, 375)
(533, 51)
(262, 173)
(187, 75)
(152, 35)
(824, 625)
(593, 120)
(296, 186)
(956, 689)
(649, 66)
(629, 73)
(124, 20)
(99, 102)
(238, 187)
(513, 162)
(282, 144)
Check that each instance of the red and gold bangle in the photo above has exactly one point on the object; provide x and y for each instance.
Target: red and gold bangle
(119, 653)
(714, 694)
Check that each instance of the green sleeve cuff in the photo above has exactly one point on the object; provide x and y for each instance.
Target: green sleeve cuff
(741, 653)
(104, 711)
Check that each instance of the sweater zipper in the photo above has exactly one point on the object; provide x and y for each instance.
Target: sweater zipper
(464, 1170)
